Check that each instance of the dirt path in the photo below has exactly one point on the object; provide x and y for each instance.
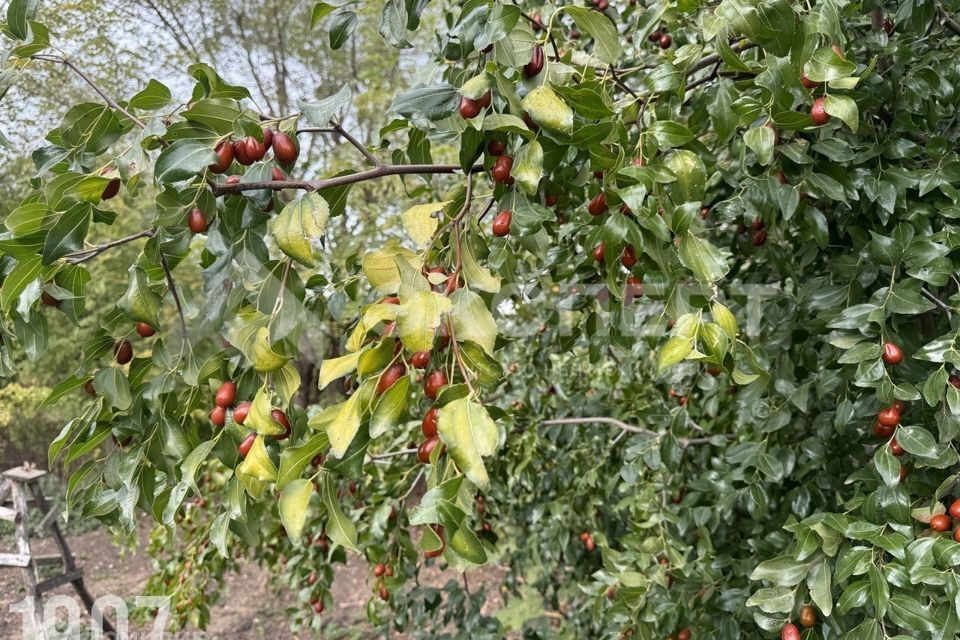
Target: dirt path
(248, 610)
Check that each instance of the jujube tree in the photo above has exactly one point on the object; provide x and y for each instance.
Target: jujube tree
(671, 325)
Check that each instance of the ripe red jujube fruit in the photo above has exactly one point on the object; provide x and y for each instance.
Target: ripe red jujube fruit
(429, 424)
(436, 380)
(390, 377)
(469, 109)
(123, 351)
(240, 413)
(683, 634)
(665, 41)
(284, 148)
(196, 221)
(598, 205)
(535, 65)
(240, 153)
(807, 82)
(227, 394)
(628, 257)
(224, 153)
(111, 190)
(818, 113)
(940, 522)
(218, 416)
(144, 330)
(502, 167)
(892, 353)
(895, 448)
(496, 147)
(954, 509)
(501, 224)
(882, 431)
(789, 632)
(267, 137)
(633, 290)
(247, 444)
(420, 359)
(255, 148)
(889, 417)
(759, 238)
(281, 417)
(598, 251)
(426, 448)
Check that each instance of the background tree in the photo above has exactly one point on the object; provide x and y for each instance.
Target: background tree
(697, 377)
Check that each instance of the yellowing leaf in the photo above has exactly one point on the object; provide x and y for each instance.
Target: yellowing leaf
(257, 469)
(390, 407)
(470, 435)
(475, 87)
(334, 368)
(300, 226)
(472, 320)
(528, 167)
(420, 315)
(293, 507)
(345, 421)
(478, 277)
(259, 418)
(725, 318)
(380, 266)
(264, 358)
(421, 221)
(674, 351)
(548, 110)
(372, 316)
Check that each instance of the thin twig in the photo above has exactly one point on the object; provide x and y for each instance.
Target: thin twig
(89, 254)
(935, 300)
(110, 101)
(623, 426)
(391, 454)
(338, 181)
(374, 160)
(173, 292)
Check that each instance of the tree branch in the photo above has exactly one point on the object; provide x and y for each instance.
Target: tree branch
(110, 101)
(337, 129)
(948, 21)
(89, 254)
(338, 181)
(173, 292)
(623, 426)
(935, 300)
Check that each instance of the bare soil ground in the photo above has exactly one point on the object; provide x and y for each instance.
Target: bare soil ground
(249, 610)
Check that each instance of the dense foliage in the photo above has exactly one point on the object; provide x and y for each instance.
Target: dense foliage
(669, 329)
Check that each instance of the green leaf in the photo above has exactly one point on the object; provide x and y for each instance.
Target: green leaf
(110, 383)
(918, 441)
(671, 134)
(320, 11)
(887, 466)
(299, 228)
(154, 96)
(547, 109)
(819, 584)
(140, 303)
(782, 571)
(393, 23)
(772, 599)
(879, 592)
(470, 434)
(341, 28)
(19, 15)
(465, 543)
(67, 234)
(294, 503)
(725, 318)
(826, 65)
(26, 271)
(476, 275)
(390, 408)
(339, 527)
(701, 257)
(293, 460)
(320, 112)
(606, 45)
(691, 176)
(183, 160)
(843, 107)
(761, 140)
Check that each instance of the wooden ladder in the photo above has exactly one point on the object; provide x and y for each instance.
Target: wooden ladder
(14, 488)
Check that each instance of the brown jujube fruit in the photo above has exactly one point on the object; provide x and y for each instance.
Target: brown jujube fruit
(598, 205)
(255, 148)
(496, 147)
(759, 238)
(535, 65)
(628, 257)
(808, 616)
(240, 153)
(665, 41)
(426, 448)
(49, 300)
(144, 330)
(267, 137)
(284, 148)
(280, 417)
(892, 353)
(469, 109)
(123, 351)
(940, 522)
(196, 221)
(807, 82)
(111, 190)
(420, 359)
(598, 251)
